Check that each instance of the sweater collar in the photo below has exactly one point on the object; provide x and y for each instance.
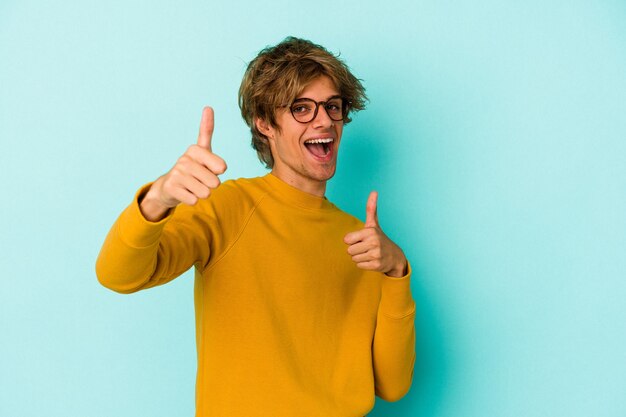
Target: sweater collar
(285, 192)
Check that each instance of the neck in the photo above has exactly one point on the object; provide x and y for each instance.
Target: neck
(308, 185)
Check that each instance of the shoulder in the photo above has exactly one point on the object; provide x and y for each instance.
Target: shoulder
(241, 190)
(225, 211)
(234, 198)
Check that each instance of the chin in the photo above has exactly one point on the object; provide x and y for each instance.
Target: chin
(326, 175)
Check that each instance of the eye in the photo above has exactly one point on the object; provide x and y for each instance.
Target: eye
(301, 108)
(334, 106)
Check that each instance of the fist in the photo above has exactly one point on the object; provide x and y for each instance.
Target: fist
(193, 176)
(371, 249)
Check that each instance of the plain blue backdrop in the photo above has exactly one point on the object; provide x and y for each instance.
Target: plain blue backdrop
(495, 136)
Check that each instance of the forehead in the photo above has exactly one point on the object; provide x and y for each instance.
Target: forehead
(319, 88)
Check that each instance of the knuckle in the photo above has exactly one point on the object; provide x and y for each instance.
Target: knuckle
(182, 161)
(168, 187)
(176, 174)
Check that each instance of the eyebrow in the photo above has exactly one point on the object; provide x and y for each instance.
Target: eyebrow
(307, 98)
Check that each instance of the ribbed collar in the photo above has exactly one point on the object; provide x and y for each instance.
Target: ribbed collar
(285, 192)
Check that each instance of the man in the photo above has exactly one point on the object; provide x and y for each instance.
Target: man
(301, 309)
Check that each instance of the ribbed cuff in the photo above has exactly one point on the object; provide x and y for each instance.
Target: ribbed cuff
(134, 229)
(396, 298)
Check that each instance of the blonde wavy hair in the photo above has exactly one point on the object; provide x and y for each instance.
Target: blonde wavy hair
(280, 73)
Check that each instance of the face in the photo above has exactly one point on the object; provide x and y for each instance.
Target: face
(298, 159)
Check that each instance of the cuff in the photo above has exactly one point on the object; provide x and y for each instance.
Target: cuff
(134, 229)
(396, 298)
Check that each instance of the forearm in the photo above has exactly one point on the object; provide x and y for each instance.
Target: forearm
(394, 339)
(138, 253)
(129, 255)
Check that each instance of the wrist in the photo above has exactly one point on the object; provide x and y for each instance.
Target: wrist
(399, 270)
(151, 206)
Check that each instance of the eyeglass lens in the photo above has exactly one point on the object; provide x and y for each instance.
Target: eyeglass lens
(305, 109)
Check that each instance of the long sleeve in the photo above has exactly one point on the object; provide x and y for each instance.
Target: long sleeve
(394, 339)
(279, 302)
(139, 254)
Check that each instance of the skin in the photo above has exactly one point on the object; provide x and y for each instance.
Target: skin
(370, 247)
(196, 172)
(193, 176)
(293, 163)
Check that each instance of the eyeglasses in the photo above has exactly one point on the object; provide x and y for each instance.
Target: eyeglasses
(305, 110)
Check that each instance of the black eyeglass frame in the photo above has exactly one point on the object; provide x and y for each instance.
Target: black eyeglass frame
(344, 108)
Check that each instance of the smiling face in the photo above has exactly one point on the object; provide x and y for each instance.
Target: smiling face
(305, 154)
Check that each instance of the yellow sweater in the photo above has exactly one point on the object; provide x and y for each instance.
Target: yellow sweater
(286, 324)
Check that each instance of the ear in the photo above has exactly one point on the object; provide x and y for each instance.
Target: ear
(265, 128)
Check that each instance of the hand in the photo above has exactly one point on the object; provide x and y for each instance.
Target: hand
(371, 249)
(192, 177)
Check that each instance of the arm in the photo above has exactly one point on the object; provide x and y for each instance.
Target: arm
(394, 337)
(139, 254)
(154, 240)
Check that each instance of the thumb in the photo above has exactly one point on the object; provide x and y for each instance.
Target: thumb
(371, 210)
(206, 128)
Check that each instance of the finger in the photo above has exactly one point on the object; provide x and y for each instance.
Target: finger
(369, 265)
(371, 214)
(206, 128)
(355, 237)
(362, 257)
(210, 160)
(204, 175)
(195, 187)
(360, 247)
(184, 196)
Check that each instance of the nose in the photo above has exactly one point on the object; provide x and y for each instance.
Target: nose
(322, 119)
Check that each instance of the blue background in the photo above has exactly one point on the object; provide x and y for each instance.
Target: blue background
(495, 135)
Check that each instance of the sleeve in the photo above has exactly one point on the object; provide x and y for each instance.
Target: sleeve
(139, 254)
(394, 339)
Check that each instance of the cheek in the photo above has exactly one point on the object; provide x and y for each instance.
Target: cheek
(339, 131)
(288, 142)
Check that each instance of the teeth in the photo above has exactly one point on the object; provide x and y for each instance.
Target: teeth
(327, 140)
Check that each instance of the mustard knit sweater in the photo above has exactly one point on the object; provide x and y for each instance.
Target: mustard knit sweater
(286, 324)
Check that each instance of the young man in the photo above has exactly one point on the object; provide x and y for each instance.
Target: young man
(301, 309)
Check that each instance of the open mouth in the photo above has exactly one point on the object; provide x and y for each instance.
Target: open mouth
(320, 148)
